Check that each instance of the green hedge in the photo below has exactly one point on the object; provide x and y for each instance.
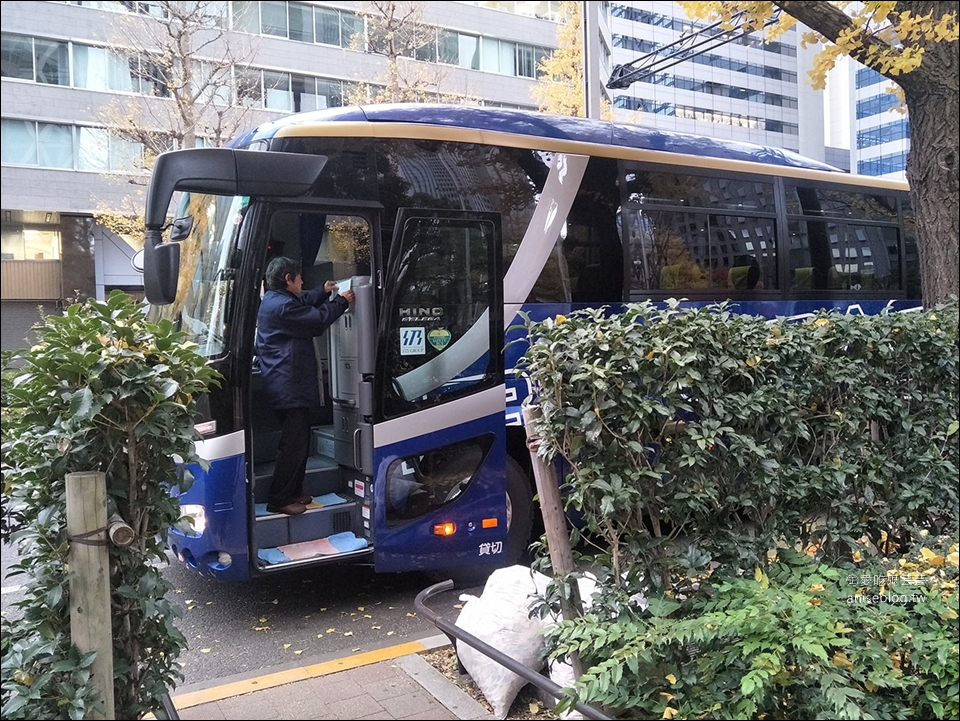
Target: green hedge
(102, 390)
(701, 441)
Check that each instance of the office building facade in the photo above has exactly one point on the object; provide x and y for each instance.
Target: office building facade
(64, 62)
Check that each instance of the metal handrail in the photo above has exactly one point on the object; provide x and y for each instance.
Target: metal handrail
(528, 674)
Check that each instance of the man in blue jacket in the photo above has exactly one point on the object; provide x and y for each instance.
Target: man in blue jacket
(288, 321)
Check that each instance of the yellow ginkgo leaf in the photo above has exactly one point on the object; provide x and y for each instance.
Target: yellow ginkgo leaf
(390, 633)
(331, 630)
(411, 615)
(348, 633)
(930, 557)
(857, 557)
(319, 635)
(671, 678)
(375, 628)
(275, 602)
(297, 653)
(669, 712)
(534, 707)
(360, 608)
(816, 587)
(667, 696)
(286, 646)
(263, 620)
(205, 650)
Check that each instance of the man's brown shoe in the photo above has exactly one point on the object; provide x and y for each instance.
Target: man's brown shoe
(305, 500)
(291, 509)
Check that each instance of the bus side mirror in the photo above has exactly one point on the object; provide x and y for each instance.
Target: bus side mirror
(161, 269)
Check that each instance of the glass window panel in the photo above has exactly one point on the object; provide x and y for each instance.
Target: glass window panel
(508, 58)
(301, 22)
(490, 59)
(420, 484)
(661, 188)
(327, 24)
(448, 47)
(125, 156)
(838, 203)
(94, 150)
(526, 61)
(277, 86)
(102, 69)
(19, 142)
(55, 145)
(273, 18)
(17, 53)
(351, 26)
(246, 17)
(304, 93)
(442, 292)
(469, 51)
(40, 244)
(249, 91)
(329, 94)
(53, 63)
(426, 45)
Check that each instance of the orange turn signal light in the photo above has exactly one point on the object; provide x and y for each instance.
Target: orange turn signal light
(488, 523)
(445, 529)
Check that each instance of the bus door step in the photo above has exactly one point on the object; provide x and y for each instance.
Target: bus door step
(335, 545)
(329, 514)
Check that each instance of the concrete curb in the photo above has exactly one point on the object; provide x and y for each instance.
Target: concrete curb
(443, 689)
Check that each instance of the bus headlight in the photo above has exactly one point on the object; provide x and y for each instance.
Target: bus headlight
(193, 519)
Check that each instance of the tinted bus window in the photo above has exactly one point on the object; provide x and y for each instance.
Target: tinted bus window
(695, 191)
(674, 251)
(827, 255)
(835, 203)
(439, 331)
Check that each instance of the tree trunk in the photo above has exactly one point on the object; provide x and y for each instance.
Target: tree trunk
(933, 100)
(931, 94)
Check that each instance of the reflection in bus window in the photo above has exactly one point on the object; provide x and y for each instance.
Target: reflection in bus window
(689, 251)
(422, 483)
(439, 325)
(843, 256)
(207, 274)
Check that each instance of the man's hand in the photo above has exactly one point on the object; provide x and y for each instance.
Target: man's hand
(331, 286)
(349, 296)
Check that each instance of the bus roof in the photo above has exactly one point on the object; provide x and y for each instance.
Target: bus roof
(531, 124)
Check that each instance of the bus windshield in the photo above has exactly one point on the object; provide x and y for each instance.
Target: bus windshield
(207, 277)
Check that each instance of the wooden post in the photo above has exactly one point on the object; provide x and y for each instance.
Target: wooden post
(555, 525)
(90, 620)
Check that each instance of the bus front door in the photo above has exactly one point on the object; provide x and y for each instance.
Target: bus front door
(437, 449)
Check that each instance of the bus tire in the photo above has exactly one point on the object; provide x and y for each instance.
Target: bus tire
(519, 514)
(519, 527)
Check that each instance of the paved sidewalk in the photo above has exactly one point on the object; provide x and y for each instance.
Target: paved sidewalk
(390, 683)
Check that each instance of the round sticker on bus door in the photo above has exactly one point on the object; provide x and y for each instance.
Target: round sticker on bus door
(439, 338)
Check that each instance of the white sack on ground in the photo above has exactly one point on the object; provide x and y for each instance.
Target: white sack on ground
(500, 617)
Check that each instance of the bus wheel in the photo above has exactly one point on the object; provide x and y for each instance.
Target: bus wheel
(519, 514)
